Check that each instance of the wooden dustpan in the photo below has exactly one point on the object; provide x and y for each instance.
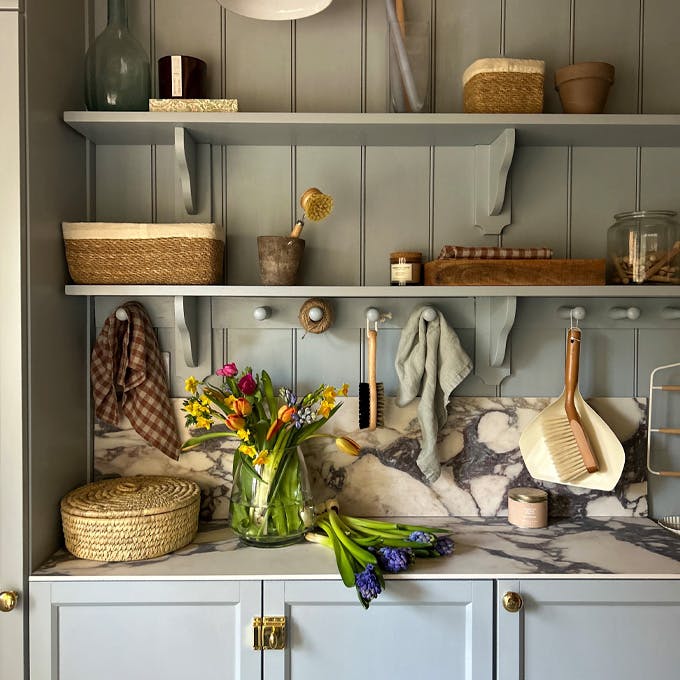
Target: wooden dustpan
(539, 450)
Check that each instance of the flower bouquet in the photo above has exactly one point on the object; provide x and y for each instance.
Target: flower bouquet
(271, 502)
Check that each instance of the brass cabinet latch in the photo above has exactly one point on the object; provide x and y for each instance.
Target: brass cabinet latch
(269, 632)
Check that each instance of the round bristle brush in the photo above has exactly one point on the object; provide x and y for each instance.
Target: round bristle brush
(315, 205)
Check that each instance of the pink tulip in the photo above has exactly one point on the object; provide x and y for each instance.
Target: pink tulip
(228, 370)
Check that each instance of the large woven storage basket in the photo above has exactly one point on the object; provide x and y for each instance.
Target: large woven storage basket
(119, 253)
(504, 86)
(130, 518)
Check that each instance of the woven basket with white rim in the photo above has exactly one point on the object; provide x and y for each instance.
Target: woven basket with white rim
(138, 253)
(501, 85)
(130, 518)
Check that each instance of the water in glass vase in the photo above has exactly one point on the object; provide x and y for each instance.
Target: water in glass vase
(271, 502)
(117, 75)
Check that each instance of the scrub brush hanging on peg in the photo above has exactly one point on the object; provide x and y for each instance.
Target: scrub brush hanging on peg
(315, 206)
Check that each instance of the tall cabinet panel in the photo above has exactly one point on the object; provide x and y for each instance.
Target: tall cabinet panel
(12, 393)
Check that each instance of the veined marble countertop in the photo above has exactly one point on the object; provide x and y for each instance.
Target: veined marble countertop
(604, 548)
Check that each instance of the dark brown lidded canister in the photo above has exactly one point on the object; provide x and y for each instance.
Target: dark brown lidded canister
(406, 268)
(182, 77)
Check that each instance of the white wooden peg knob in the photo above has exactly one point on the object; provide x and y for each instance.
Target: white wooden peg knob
(630, 313)
(670, 313)
(262, 313)
(121, 314)
(315, 314)
(429, 314)
(577, 313)
(372, 315)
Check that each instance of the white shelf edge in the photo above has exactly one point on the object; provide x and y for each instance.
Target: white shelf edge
(378, 129)
(376, 291)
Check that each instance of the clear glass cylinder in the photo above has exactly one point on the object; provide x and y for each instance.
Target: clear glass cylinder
(643, 247)
(117, 71)
(271, 503)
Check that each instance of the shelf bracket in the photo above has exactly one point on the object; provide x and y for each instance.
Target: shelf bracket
(185, 159)
(492, 197)
(186, 323)
(494, 318)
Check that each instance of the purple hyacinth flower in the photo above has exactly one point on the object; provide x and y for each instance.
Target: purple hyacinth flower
(420, 537)
(367, 583)
(394, 560)
(443, 545)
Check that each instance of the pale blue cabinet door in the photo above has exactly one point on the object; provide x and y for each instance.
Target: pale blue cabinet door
(441, 630)
(590, 630)
(144, 630)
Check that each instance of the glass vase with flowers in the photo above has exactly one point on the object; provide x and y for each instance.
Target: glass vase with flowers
(271, 501)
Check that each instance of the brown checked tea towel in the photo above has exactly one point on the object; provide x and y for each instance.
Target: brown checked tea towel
(127, 373)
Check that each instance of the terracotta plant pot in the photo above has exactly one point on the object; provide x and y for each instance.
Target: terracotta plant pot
(583, 87)
(280, 258)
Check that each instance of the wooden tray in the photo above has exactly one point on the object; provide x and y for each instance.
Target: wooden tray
(469, 272)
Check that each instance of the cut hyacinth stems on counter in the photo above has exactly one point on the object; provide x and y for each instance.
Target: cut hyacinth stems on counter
(365, 549)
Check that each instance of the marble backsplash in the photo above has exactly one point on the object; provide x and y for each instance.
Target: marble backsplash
(478, 450)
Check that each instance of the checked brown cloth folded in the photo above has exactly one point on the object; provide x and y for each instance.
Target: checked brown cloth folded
(489, 253)
(127, 374)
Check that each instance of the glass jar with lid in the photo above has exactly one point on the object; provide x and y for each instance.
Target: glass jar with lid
(644, 247)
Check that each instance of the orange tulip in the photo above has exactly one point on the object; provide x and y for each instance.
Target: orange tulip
(242, 407)
(274, 428)
(234, 422)
(286, 413)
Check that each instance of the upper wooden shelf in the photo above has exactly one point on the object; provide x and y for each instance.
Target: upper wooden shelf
(376, 129)
(425, 292)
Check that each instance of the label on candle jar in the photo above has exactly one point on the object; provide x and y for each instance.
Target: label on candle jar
(176, 75)
(405, 269)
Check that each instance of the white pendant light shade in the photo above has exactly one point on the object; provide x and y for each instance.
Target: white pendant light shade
(275, 10)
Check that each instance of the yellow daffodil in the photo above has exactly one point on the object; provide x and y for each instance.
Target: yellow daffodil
(191, 384)
(204, 422)
(229, 400)
(243, 435)
(248, 450)
(205, 401)
(261, 458)
(329, 393)
(343, 390)
(325, 408)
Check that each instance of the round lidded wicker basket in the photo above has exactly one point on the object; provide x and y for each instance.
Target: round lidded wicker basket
(130, 518)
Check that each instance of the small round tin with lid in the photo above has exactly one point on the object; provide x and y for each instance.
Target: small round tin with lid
(406, 268)
(528, 507)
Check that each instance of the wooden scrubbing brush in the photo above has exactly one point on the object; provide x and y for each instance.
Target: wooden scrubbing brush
(565, 438)
(372, 393)
(315, 205)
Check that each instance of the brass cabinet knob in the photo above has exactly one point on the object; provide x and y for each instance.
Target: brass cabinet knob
(512, 602)
(8, 600)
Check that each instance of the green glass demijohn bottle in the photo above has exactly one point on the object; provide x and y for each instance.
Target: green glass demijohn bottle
(117, 74)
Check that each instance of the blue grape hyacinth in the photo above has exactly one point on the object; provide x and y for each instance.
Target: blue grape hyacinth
(367, 584)
(394, 560)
